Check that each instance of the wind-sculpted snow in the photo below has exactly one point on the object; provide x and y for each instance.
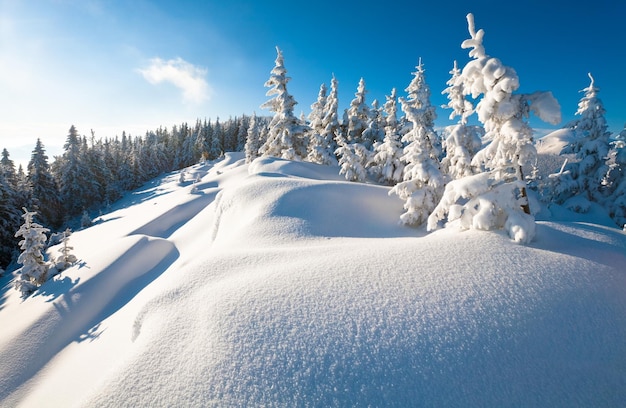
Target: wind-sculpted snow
(290, 289)
(134, 262)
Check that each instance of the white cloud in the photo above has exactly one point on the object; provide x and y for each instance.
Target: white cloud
(189, 78)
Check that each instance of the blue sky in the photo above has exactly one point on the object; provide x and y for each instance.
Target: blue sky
(136, 65)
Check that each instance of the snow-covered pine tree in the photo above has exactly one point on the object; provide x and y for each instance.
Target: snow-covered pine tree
(69, 172)
(357, 115)
(23, 189)
(616, 180)
(462, 141)
(495, 198)
(423, 181)
(386, 164)
(7, 167)
(34, 270)
(318, 142)
(9, 221)
(374, 134)
(67, 258)
(242, 132)
(351, 158)
(215, 147)
(286, 137)
(330, 123)
(583, 178)
(253, 141)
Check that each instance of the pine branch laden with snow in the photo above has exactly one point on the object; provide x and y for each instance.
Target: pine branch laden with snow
(286, 136)
(462, 142)
(423, 181)
(484, 203)
(34, 270)
(497, 198)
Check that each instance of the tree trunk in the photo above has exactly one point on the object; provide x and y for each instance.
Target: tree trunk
(524, 196)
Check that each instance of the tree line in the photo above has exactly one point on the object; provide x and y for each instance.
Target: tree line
(92, 173)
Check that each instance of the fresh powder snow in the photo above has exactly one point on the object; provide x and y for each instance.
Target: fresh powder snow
(279, 283)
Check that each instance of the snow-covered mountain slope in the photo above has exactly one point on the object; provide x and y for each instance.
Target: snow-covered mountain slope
(555, 141)
(281, 284)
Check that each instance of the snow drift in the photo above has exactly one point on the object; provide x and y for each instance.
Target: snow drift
(280, 284)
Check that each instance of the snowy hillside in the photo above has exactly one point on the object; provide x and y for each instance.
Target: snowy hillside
(281, 284)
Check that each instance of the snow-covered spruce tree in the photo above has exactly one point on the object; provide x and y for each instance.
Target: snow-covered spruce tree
(286, 137)
(34, 270)
(9, 221)
(319, 151)
(495, 198)
(215, 147)
(462, 141)
(67, 258)
(331, 123)
(374, 134)
(386, 164)
(351, 158)
(253, 141)
(423, 181)
(583, 178)
(72, 176)
(616, 202)
(357, 116)
(616, 180)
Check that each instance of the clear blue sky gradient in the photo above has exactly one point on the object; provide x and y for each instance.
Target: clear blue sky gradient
(65, 62)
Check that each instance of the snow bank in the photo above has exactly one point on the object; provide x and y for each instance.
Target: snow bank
(291, 288)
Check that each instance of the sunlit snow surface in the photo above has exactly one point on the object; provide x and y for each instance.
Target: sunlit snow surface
(281, 284)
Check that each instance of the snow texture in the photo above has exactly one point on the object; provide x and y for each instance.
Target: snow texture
(278, 283)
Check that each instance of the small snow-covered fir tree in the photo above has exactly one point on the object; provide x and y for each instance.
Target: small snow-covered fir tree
(85, 220)
(286, 137)
(34, 270)
(496, 198)
(423, 181)
(386, 164)
(253, 140)
(462, 141)
(67, 258)
(584, 176)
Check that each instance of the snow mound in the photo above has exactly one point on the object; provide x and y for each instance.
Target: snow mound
(283, 200)
(279, 284)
